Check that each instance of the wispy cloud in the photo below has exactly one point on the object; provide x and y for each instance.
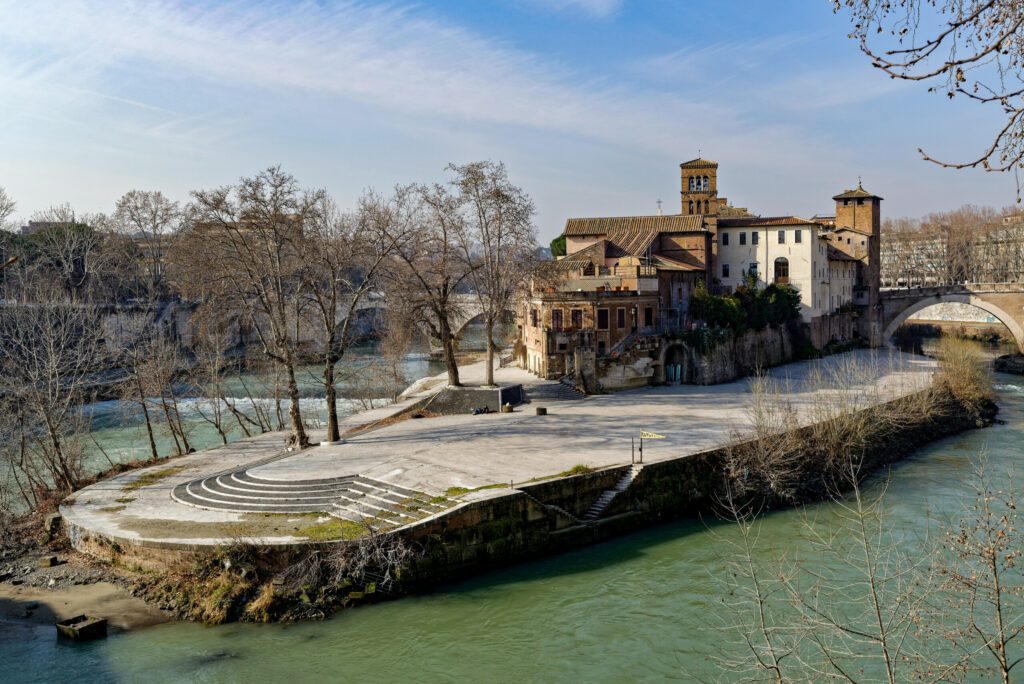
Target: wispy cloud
(392, 56)
(600, 9)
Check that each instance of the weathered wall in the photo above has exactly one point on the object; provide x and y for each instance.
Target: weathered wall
(838, 327)
(497, 531)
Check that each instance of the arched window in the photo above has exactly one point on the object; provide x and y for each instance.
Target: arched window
(782, 271)
(691, 207)
(705, 206)
(693, 183)
(704, 183)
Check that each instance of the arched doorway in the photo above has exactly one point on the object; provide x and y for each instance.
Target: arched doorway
(673, 364)
(781, 271)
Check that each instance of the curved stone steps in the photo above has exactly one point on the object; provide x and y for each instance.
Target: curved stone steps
(354, 497)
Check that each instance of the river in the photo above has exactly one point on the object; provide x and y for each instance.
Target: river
(640, 607)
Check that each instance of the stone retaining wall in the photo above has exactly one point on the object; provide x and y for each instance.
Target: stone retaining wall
(508, 529)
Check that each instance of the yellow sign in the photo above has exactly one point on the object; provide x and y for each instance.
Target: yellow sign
(650, 435)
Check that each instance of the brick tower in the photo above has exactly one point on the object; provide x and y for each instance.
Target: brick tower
(859, 233)
(699, 186)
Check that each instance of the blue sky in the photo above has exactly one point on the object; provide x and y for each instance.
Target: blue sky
(592, 104)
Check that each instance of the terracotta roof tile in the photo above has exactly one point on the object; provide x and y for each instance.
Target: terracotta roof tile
(859, 193)
(763, 221)
(699, 163)
(672, 223)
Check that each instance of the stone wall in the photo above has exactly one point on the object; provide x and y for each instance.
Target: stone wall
(734, 357)
(837, 327)
(530, 522)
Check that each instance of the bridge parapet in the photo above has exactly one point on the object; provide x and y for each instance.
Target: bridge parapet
(959, 288)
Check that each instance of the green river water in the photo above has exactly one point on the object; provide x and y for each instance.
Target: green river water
(639, 608)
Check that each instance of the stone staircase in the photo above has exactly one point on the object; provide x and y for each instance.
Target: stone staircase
(606, 498)
(553, 391)
(352, 497)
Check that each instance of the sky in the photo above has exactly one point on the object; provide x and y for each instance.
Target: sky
(591, 104)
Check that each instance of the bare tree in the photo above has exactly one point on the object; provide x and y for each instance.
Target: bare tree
(497, 238)
(983, 575)
(966, 48)
(7, 207)
(68, 249)
(343, 258)
(241, 253)
(50, 353)
(150, 219)
(427, 272)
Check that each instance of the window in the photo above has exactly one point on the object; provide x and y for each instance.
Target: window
(620, 317)
(556, 320)
(782, 237)
(752, 269)
(601, 347)
(576, 318)
(691, 207)
(725, 270)
(602, 319)
(743, 238)
(533, 317)
(648, 316)
(755, 237)
(725, 239)
(705, 204)
(704, 183)
(798, 236)
(782, 270)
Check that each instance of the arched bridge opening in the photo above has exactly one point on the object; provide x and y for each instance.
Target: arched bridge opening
(1004, 308)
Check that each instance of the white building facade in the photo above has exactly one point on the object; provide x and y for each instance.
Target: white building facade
(786, 251)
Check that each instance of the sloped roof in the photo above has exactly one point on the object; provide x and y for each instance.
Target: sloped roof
(699, 163)
(763, 221)
(838, 255)
(663, 262)
(859, 193)
(672, 223)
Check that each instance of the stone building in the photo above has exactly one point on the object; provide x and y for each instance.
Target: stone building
(628, 279)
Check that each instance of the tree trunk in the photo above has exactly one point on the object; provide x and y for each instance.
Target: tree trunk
(294, 413)
(170, 424)
(145, 413)
(330, 392)
(489, 374)
(448, 351)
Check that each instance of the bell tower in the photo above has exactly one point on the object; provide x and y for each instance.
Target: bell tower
(699, 193)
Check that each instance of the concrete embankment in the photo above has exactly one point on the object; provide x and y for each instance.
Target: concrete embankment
(548, 517)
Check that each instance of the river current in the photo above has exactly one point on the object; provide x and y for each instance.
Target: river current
(638, 608)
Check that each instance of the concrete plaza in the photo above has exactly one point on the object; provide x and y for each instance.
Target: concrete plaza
(435, 455)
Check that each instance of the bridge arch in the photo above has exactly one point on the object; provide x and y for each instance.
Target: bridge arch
(960, 298)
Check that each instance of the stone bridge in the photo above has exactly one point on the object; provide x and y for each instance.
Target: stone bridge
(466, 310)
(1005, 301)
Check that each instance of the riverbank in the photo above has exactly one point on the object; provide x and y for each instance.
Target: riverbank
(545, 511)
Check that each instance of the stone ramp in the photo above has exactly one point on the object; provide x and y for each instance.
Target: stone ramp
(355, 498)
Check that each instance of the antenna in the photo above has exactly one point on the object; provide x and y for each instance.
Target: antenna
(659, 207)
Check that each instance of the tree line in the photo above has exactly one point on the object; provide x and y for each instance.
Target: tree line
(967, 245)
(265, 255)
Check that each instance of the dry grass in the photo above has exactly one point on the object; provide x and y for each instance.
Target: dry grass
(964, 372)
(150, 478)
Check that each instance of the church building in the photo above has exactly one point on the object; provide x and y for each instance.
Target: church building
(627, 278)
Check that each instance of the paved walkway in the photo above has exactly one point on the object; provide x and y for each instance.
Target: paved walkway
(426, 458)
